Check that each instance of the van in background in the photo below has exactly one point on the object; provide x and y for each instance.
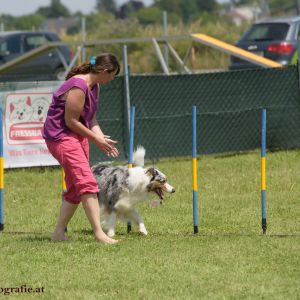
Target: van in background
(50, 65)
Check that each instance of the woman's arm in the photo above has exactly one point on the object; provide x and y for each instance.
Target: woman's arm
(95, 127)
(73, 108)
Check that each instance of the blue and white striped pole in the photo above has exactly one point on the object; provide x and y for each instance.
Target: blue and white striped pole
(194, 169)
(263, 169)
(1, 174)
(130, 148)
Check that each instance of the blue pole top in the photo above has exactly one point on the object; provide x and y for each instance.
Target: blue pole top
(194, 132)
(131, 135)
(263, 132)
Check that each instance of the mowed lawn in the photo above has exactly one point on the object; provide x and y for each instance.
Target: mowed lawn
(230, 258)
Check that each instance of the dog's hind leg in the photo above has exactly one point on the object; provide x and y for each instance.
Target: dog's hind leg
(111, 223)
(135, 216)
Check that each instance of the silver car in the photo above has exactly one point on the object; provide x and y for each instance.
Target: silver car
(275, 39)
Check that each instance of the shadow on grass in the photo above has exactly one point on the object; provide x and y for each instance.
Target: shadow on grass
(42, 236)
(90, 232)
(35, 238)
(29, 235)
(190, 234)
(235, 234)
(21, 232)
(229, 234)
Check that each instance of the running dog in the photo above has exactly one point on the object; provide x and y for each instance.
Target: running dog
(122, 188)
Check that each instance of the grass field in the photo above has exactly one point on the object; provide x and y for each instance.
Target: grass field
(228, 259)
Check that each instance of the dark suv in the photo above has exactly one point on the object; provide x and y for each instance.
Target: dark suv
(47, 66)
(274, 38)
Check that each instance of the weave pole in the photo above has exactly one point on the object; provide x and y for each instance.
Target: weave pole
(63, 189)
(130, 148)
(194, 169)
(263, 170)
(1, 174)
(63, 184)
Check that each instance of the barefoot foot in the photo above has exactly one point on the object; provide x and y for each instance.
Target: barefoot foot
(59, 237)
(103, 238)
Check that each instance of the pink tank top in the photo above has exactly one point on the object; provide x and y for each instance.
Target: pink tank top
(55, 127)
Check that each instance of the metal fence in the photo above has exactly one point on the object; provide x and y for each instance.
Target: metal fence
(228, 119)
(228, 103)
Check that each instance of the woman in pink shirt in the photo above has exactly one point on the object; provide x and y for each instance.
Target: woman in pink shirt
(70, 123)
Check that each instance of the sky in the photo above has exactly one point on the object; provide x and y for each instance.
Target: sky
(23, 7)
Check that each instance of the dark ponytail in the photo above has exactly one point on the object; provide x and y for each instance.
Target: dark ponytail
(104, 61)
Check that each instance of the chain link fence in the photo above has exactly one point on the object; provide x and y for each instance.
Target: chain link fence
(229, 108)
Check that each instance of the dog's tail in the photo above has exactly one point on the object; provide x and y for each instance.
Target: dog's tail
(139, 156)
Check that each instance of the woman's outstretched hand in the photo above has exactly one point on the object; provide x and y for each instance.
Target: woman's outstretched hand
(107, 145)
(114, 151)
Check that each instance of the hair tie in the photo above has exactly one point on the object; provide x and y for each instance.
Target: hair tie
(93, 60)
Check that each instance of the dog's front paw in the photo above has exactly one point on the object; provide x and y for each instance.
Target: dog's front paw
(142, 229)
(111, 233)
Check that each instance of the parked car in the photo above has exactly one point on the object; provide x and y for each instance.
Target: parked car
(274, 38)
(47, 66)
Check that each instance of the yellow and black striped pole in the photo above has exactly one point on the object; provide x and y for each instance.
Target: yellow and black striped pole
(1, 174)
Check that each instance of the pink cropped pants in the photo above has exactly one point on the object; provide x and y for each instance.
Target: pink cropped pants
(72, 152)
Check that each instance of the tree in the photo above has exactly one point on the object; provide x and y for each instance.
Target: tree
(243, 2)
(277, 6)
(129, 8)
(55, 10)
(273, 7)
(7, 21)
(29, 22)
(188, 9)
(150, 15)
(209, 6)
(169, 5)
(108, 6)
(154, 15)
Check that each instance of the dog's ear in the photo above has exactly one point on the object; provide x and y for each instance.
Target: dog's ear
(150, 172)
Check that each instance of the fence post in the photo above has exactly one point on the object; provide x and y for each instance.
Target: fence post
(83, 38)
(298, 59)
(165, 26)
(126, 98)
(129, 115)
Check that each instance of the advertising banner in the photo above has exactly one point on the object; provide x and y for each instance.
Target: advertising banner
(24, 113)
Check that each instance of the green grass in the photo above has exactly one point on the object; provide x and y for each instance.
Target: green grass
(228, 259)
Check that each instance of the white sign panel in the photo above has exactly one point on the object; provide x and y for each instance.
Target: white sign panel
(24, 116)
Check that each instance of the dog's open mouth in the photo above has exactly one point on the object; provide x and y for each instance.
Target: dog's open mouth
(160, 193)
